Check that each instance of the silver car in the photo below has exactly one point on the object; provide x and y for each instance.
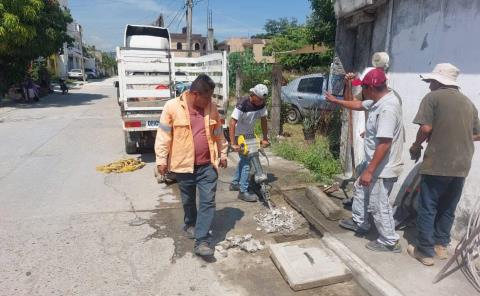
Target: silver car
(303, 93)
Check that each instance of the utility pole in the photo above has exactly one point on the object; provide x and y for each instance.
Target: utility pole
(210, 39)
(79, 27)
(276, 128)
(189, 5)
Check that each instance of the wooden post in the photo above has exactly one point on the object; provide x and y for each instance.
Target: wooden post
(238, 83)
(276, 126)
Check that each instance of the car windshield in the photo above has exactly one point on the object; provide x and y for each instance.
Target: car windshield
(76, 70)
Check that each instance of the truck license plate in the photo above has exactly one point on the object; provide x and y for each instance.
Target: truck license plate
(153, 123)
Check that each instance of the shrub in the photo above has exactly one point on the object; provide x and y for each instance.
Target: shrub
(316, 157)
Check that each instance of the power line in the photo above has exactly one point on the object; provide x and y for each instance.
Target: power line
(176, 15)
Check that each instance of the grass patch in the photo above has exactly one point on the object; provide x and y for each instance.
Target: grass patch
(316, 157)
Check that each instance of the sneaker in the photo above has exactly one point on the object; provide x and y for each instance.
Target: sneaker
(189, 231)
(247, 196)
(378, 247)
(234, 187)
(352, 225)
(441, 252)
(420, 256)
(203, 249)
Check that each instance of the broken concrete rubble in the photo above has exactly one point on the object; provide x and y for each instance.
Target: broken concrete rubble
(246, 243)
(276, 220)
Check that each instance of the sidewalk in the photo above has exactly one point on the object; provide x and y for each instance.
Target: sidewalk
(401, 271)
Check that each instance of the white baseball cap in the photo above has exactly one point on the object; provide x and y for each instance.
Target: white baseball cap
(260, 90)
(380, 60)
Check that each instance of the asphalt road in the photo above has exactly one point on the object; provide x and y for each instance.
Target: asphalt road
(66, 229)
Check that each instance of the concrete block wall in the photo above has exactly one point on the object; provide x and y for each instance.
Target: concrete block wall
(424, 33)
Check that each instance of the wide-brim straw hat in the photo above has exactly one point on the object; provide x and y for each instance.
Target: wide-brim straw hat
(444, 73)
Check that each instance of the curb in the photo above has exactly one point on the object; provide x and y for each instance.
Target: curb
(367, 278)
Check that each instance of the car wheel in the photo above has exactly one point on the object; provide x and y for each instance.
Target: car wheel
(293, 115)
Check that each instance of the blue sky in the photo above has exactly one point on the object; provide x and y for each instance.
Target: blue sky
(104, 20)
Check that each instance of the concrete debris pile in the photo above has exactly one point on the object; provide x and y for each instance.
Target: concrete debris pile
(276, 220)
(122, 166)
(244, 242)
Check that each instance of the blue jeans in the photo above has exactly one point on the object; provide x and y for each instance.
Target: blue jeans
(437, 203)
(205, 179)
(242, 173)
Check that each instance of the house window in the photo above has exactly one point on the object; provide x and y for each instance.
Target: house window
(197, 46)
(179, 45)
(311, 85)
(205, 47)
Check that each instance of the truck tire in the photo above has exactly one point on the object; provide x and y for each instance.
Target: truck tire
(130, 144)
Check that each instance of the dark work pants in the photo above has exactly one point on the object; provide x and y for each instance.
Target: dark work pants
(437, 203)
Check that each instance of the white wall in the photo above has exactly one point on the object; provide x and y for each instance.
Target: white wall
(426, 33)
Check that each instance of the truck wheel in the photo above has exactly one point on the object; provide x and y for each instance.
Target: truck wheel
(293, 115)
(130, 145)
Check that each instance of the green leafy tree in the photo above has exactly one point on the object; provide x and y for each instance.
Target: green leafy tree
(252, 72)
(109, 63)
(277, 27)
(294, 38)
(29, 29)
(322, 23)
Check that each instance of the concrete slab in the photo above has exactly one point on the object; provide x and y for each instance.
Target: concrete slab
(308, 264)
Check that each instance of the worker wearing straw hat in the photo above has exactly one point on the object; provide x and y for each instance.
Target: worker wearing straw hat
(449, 121)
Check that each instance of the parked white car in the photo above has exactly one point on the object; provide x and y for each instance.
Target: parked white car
(75, 74)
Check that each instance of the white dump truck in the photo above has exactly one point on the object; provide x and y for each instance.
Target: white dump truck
(150, 74)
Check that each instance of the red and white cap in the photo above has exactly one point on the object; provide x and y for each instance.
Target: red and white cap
(371, 77)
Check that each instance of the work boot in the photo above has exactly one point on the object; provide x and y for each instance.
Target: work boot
(420, 256)
(441, 252)
(189, 231)
(234, 187)
(352, 225)
(247, 196)
(203, 249)
(379, 247)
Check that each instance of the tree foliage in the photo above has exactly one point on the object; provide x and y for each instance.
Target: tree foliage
(29, 29)
(322, 23)
(109, 63)
(252, 72)
(277, 27)
(295, 37)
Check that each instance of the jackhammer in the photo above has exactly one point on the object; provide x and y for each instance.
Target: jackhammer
(250, 147)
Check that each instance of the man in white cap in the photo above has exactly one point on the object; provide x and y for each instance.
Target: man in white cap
(244, 116)
(449, 122)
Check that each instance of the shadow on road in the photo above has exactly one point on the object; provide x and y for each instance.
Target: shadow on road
(225, 220)
(58, 100)
(147, 156)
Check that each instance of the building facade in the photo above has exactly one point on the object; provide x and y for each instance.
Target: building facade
(178, 41)
(417, 35)
(241, 44)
